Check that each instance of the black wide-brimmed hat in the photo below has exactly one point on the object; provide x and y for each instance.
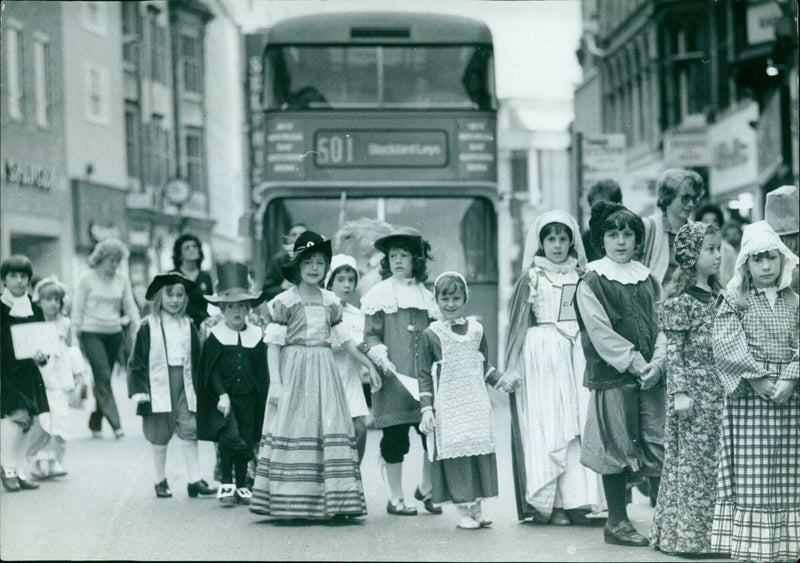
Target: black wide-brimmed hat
(408, 234)
(307, 242)
(162, 280)
(232, 286)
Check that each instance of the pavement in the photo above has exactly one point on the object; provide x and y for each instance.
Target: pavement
(106, 509)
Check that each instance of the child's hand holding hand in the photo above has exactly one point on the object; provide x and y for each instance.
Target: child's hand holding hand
(426, 424)
(783, 390)
(374, 379)
(683, 405)
(764, 387)
(224, 405)
(387, 366)
(651, 374)
(510, 381)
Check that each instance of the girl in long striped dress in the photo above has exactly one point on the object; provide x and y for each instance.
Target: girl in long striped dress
(757, 512)
(308, 462)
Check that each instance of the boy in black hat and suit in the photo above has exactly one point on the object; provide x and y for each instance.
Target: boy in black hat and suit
(232, 382)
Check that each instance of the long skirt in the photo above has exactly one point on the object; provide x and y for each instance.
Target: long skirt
(757, 512)
(464, 479)
(685, 509)
(548, 413)
(308, 462)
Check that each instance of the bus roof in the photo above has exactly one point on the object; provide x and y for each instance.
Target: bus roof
(379, 28)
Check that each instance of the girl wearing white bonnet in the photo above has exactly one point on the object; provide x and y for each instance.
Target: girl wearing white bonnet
(757, 513)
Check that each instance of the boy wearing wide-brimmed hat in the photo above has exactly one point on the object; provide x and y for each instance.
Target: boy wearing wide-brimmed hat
(232, 382)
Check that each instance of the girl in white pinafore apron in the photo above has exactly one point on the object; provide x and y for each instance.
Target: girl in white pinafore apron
(548, 411)
(455, 405)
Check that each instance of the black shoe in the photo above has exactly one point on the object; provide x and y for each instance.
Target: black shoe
(401, 510)
(26, 485)
(579, 517)
(162, 490)
(427, 500)
(559, 518)
(623, 533)
(10, 480)
(200, 488)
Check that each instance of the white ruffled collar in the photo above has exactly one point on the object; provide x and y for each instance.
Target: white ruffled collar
(392, 294)
(251, 335)
(630, 273)
(567, 266)
(20, 306)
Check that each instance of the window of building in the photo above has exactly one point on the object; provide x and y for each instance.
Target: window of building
(97, 94)
(156, 151)
(191, 63)
(160, 54)
(14, 84)
(194, 159)
(41, 73)
(130, 34)
(519, 171)
(95, 17)
(133, 140)
(687, 78)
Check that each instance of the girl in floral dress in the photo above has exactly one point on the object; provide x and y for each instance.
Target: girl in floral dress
(685, 507)
(308, 462)
(755, 337)
(452, 378)
(548, 411)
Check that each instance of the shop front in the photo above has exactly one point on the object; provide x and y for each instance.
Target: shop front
(733, 174)
(35, 216)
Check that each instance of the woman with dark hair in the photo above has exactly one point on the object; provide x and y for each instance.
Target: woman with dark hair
(679, 192)
(187, 257)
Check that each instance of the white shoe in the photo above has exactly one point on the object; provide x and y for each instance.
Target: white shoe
(226, 494)
(465, 520)
(477, 515)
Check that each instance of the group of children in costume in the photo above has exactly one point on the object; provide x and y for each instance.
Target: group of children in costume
(608, 380)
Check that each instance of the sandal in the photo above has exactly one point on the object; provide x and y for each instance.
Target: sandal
(400, 509)
(427, 500)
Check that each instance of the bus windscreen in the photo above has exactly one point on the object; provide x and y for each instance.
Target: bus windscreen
(378, 77)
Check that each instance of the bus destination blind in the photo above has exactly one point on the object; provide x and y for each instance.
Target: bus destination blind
(385, 148)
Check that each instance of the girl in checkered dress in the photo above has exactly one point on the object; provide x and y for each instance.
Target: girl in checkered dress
(757, 512)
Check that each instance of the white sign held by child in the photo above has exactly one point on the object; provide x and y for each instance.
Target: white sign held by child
(28, 338)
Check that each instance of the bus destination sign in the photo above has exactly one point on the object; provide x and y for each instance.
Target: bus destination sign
(385, 148)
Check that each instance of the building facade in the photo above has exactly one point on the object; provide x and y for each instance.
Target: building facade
(35, 197)
(688, 84)
(132, 128)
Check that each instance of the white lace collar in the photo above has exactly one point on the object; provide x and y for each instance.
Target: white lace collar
(392, 294)
(627, 274)
(251, 335)
(567, 266)
(20, 306)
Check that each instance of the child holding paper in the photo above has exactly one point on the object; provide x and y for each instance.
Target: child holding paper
(22, 392)
(398, 310)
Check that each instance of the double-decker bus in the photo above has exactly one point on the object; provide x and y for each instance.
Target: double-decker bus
(384, 115)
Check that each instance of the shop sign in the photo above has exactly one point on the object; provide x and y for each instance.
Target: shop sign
(602, 157)
(769, 136)
(100, 213)
(734, 152)
(761, 19)
(28, 175)
(686, 149)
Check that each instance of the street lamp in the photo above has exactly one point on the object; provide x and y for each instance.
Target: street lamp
(178, 193)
